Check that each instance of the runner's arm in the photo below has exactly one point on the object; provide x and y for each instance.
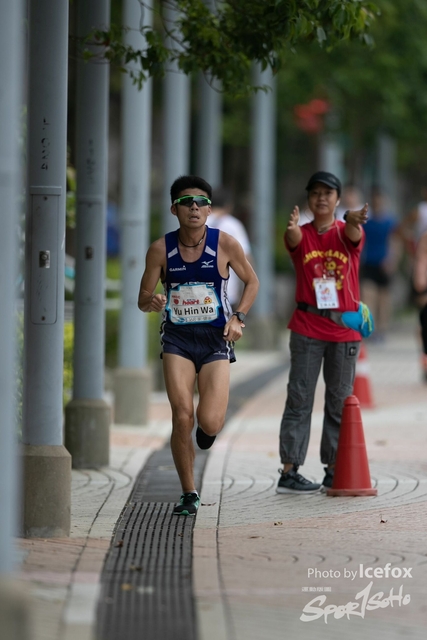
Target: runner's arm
(244, 270)
(148, 300)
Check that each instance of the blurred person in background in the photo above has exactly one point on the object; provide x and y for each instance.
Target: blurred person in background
(222, 219)
(419, 281)
(351, 199)
(379, 262)
(413, 225)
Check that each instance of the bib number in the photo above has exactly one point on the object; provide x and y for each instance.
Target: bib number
(190, 304)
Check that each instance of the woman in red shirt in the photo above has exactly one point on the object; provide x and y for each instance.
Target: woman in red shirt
(326, 254)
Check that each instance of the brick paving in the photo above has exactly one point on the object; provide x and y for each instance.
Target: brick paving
(253, 549)
(62, 574)
(275, 553)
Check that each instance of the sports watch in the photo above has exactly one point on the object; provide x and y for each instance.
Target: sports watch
(240, 315)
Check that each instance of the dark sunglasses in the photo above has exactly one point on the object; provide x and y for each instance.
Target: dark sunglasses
(187, 201)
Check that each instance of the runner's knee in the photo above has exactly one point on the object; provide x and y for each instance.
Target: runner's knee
(182, 417)
(211, 425)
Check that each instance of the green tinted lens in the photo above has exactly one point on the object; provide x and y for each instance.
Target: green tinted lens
(187, 201)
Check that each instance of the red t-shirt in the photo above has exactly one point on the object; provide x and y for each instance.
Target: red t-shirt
(331, 254)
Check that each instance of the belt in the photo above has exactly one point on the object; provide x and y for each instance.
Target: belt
(335, 316)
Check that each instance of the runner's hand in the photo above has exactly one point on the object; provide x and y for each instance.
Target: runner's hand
(233, 329)
(158, 302)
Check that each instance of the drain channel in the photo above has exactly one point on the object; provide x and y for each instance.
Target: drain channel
(146, 583)
(147, 591)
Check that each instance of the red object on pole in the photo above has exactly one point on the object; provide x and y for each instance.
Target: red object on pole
(351, 475)
(362, 384)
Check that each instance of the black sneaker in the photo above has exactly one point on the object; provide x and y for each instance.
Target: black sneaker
(329, 478)
(188, 504)
(294, 482)
(203, 440)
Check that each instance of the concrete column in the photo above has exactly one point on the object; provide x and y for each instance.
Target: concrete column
(47, 464)
(13, 606)
(387, 175)
(262, 320)
(331, 156)
(88, 416)
(10, 105)
(132, 379)
(176, 130)
(15, 609)
(209, 133)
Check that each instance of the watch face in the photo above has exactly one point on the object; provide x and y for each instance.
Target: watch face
(241, 316)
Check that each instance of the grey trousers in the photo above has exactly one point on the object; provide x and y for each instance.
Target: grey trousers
(339, 365)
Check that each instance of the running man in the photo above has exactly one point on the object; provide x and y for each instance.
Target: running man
(199, 329)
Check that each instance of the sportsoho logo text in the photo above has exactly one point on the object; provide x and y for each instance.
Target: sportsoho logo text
(364, 600)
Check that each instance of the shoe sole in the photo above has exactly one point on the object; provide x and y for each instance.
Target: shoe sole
(184, 513)
(299, 491)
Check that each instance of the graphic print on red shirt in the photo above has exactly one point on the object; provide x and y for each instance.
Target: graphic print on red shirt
(331, 255)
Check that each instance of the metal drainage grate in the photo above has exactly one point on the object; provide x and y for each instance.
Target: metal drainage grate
(147, 585)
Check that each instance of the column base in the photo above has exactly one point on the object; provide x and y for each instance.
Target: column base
(262, 333)
(46, 491)
(87, 433)
(15, 611)
(132, 388)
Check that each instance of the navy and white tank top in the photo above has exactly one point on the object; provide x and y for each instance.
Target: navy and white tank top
(196, 292)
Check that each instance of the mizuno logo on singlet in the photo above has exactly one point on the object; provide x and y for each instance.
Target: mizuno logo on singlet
(178, 269)
(207, 263)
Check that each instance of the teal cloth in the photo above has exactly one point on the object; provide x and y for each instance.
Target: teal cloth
(360, 320)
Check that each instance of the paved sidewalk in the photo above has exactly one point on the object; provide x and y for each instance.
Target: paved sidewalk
(260, 558)
(253, 549)
(62, 575)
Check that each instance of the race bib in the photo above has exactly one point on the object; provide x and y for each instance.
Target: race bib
(326, 293)
(192, 303)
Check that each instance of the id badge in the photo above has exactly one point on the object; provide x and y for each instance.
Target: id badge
(326, 293)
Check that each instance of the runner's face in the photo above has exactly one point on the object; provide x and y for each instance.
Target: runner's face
(322, 200)
(193, 216)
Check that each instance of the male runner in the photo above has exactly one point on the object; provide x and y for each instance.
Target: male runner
(198, 328)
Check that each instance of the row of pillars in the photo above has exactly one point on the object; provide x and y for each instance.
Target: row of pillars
(46, 446)
(46, 462)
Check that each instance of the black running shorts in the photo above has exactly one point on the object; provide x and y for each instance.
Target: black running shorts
(200, 343)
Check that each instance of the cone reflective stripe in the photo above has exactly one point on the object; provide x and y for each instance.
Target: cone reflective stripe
(351, 475)
(362, 384)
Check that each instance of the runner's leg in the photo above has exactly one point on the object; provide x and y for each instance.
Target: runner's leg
(214, 385)
(180, 378)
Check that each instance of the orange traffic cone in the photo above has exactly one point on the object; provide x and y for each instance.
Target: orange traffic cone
(362, 384)
(351, 475)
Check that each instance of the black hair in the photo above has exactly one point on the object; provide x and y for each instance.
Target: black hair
(189, 182)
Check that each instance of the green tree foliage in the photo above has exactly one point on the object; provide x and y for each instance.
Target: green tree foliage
(224, 43)
(382, 88)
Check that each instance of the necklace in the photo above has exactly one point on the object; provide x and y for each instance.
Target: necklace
(323, 230)
(192, 246)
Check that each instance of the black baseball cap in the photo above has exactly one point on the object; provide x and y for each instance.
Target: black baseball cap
(325, 178)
